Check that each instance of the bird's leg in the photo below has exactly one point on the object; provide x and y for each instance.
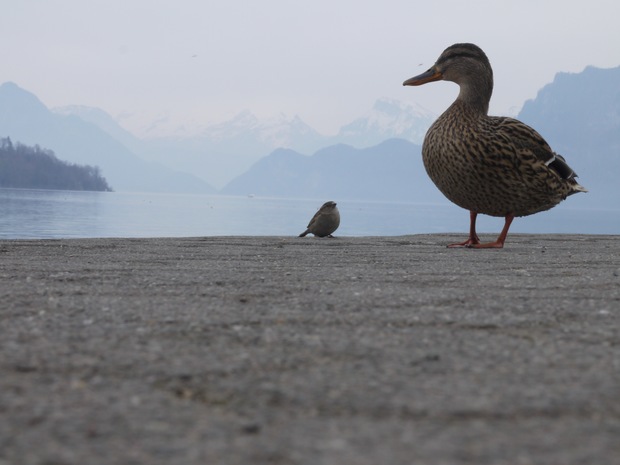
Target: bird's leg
(499, 243)
(473, 239)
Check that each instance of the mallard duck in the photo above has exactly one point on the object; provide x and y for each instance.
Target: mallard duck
(492, 165)
(324, 222)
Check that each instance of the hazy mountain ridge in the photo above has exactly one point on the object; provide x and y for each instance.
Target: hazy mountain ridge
(390, 171)
(225, 150)
(222, 151)
(24, 118)
(278, 131)
(578, 109)
(103, 121)
(579, 115)
(388, 119)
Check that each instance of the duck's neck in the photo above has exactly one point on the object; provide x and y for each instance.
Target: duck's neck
(475, 96)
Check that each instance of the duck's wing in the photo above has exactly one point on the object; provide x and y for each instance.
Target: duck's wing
(523, 138)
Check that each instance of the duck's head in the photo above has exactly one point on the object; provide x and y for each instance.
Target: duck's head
(465, 64)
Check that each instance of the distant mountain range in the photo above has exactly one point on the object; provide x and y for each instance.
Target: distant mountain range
(25, 119)
(388, 119)
(579, 115)
(376, 156)
(223, 151)
(213, 157)
(391, 170)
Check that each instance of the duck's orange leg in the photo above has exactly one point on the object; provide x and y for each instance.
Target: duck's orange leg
(473, 240)
(499, 243)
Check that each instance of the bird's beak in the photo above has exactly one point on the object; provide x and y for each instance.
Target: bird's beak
(428, 76)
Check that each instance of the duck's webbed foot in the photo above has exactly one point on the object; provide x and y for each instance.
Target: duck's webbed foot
(473, 240)
(488, 245)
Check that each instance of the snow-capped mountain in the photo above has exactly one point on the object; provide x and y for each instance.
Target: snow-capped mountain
(219, 152)
(225, 150)
(279, 131)
(577, 113)
(387, 119)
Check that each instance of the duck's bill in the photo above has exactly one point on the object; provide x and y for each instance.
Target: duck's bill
(428, 76)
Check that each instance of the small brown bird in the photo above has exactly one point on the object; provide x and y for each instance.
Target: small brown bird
(492, 165)
(324, 222)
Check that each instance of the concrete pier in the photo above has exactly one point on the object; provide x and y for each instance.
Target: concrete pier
(281, 350)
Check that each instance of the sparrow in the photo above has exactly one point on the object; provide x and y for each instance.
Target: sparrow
(324, 222)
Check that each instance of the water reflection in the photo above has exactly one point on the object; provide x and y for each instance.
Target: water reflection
(27, 213)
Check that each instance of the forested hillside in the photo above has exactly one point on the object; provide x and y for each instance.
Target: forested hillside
(22, 166)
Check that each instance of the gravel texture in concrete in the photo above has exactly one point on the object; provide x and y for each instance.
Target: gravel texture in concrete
(278, 350)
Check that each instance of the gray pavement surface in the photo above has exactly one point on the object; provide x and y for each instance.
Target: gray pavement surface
(278, 350)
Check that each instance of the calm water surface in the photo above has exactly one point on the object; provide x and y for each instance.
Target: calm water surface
(29, 214)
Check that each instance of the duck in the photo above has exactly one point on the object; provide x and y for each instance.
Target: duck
(324, 222)
(491, 165)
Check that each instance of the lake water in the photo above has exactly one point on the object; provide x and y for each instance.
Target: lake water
(30, 214)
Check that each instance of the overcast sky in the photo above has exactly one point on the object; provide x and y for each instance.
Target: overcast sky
(203, 61)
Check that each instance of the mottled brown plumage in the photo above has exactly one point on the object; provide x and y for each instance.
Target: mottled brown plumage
(492, 165)
(324, 222)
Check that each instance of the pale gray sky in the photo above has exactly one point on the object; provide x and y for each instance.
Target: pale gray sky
(203, 61)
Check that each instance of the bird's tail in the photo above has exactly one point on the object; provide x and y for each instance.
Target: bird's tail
(558, 163)
(578, 188)
(303, 234)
